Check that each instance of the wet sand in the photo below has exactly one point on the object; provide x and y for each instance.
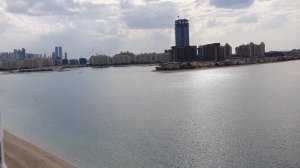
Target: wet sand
(22, 154)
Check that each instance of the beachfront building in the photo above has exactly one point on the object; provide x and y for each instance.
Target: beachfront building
(184, 53)
(99, 60)
(145, 58)
(214, 52)
(164, 57)
(210, 52)
(123, 58)
(129, 58)
(225, 52)
(251, 50)
(12, 64)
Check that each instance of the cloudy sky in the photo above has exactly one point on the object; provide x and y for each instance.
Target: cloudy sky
(84, 27)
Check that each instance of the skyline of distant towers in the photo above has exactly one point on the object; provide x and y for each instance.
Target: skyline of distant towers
(58, 52)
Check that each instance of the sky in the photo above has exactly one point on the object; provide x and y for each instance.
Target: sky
(86, 27)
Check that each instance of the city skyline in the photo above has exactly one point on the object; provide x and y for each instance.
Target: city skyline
(86, 27)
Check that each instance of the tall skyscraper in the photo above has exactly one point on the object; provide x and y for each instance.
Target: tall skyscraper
(56, 52)
(16, 54)
(228, 51)
(183, 52)
(60, 52)
(262, 47)
(66, 55)
(23, 53)
(182, 32)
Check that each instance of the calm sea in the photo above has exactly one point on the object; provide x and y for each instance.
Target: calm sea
(247, 116)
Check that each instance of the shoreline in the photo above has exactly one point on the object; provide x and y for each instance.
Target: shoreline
(180, 66)
(21, 154)
(218, 67)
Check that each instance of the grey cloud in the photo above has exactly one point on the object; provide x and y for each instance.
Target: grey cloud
(151, 15)
(231, 4)
(33, 7)
(248, 19)
(126, 4)
(213, 23)
(4, 25)
(275, 22)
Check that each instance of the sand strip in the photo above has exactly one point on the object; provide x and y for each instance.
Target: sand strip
(22, 154)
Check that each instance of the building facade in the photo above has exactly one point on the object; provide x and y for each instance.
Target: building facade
(82, 61)
(100, 60)
(26, 63)
(182, 32)
(123, 58)
(129, 58)
(210, 52)
(184, 54)
(56, 52)
(214, 52)
(251, 50)
(60, 52)
(182, 51)
(73, 62)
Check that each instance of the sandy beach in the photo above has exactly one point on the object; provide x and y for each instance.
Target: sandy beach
(22, 154)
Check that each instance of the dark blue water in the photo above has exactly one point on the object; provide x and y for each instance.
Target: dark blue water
(246, 116)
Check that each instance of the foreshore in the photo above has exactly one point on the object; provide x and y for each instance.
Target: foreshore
(21, 154)
(175, 66)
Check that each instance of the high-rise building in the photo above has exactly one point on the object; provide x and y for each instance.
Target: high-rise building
(262, 47)
(210, 52)
(182, 51)
(184, 54)
(60, 52)
(16, 54)
(56, 52)
(182, 32)
(66, 55)
(82, 61)
(251, 50)
(19, 54)
(227, 51)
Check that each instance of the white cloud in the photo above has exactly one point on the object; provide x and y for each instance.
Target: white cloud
(231, 3)
(86, 26)
(150, 15)
(275, 22)
(248, 19)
